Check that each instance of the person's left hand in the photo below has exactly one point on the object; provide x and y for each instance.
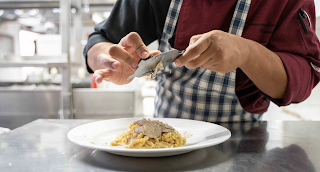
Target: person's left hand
(216, 50)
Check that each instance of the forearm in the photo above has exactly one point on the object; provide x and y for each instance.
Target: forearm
(94, 52)
(265, 69)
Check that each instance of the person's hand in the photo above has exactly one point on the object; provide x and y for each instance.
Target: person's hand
(121, 60)
(217, 51)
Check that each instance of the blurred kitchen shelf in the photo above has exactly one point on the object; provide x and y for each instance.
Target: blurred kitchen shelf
(66, 101)
(34, 63)
(29, 88)
(16, 4)
(75, 83)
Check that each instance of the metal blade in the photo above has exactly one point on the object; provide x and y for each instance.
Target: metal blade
(169, 57)
(146, 66)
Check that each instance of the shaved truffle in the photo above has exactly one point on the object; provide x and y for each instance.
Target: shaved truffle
(138, 130)
(153, 129)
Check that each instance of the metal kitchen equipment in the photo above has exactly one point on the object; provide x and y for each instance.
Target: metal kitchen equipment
(147, 66)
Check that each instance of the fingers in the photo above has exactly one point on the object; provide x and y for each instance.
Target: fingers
(117, 52)
(102, 74)
(193, 50)
(194, 38)
(134, 40)
(108, 62)
(155, 52)
(204, 59)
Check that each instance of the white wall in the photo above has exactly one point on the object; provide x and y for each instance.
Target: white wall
(317, 4)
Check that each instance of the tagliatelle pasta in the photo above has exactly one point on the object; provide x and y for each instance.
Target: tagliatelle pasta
(149, 134)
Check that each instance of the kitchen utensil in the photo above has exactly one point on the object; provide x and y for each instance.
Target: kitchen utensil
(147, 66)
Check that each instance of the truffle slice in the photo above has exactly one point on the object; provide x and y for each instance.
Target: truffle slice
(152, 129)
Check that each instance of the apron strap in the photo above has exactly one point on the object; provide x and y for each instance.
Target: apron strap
(239, 17)
(170, 24)
(236, 25)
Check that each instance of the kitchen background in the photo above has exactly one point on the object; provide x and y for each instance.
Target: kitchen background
(43, 75)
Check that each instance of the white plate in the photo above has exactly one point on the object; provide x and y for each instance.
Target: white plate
(98, 135)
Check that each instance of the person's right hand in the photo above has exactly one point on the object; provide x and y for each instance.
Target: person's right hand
(118, 61)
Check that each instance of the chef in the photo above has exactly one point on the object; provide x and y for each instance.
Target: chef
(239, 55)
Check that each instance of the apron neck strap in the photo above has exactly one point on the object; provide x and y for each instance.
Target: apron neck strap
(239, 17)
(170, 24)
(236, 25)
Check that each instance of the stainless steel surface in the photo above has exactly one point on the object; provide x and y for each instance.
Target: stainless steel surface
(254, 146)
(66, 95)
(77, 26)
(18, 106)
(66, 101)
(103, 104)
(169, 57)
(36, 102)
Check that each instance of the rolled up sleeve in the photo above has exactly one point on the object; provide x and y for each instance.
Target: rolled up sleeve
(298, 50)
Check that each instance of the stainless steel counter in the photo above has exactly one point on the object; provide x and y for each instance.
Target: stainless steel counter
(43, 145)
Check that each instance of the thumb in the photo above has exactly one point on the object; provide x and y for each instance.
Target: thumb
(134, 40)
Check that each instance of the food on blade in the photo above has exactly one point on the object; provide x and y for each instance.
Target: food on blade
(159, 66)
